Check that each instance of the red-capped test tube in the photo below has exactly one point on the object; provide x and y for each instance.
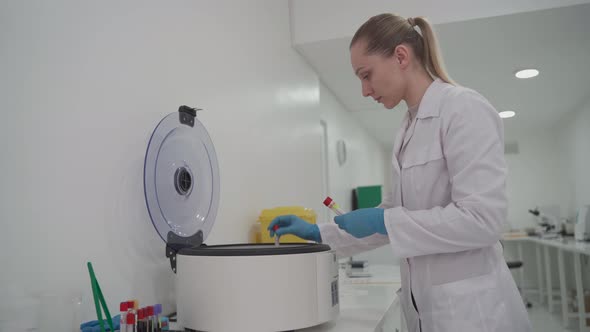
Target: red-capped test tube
(132, 308)
(141, 323)
(276, 235)
(123, 307)
(329, 202)
(130, 323)
(150, 318)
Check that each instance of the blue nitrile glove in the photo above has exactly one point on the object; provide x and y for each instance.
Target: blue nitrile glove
(362, 222)
(94, 326)
(291, 224)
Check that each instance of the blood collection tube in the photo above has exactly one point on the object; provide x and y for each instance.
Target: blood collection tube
(150, 318)
(132, 308)
(276, 235)
(130, 323)
(333, 206)
(141, 324)
(123, 307)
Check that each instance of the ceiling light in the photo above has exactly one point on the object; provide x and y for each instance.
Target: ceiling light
(526, 73)
(507, 114)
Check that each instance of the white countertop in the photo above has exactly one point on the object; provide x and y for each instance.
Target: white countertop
(565, 243)
(364, 302)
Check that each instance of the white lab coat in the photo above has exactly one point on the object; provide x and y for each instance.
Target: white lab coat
(444, 215)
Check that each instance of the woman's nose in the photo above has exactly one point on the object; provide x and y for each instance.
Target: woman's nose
(367, 91)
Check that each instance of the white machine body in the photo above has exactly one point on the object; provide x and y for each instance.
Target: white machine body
(256, 293)
(582, 228)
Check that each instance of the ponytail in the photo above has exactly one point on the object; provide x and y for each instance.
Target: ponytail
(432, 56)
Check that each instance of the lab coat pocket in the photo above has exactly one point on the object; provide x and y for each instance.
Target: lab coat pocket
(473, 304)
(422, 155)
(425, 173)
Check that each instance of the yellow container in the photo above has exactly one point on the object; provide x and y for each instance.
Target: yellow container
(267, 215)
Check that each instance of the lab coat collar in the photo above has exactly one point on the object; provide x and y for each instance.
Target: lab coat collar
(430, 103)
(429, 107)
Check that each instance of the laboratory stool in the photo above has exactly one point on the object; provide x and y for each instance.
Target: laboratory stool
(517, 265)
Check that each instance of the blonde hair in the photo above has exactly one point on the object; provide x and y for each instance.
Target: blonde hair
(384, 32)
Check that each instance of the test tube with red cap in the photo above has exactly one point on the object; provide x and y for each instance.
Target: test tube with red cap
(130, 323)
(329, 202)
(275, 227)
(123, 308)
(141, 324)
(132, 308)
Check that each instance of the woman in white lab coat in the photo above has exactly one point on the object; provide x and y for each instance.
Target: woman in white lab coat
(444, 214)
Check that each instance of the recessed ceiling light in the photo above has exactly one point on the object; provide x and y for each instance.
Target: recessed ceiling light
(526, 73)
(507, 114)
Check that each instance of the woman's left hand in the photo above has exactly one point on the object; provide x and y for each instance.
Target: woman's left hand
(362, 222)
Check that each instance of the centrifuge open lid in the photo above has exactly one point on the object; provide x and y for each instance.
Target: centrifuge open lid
(181, 185)
(181, 181)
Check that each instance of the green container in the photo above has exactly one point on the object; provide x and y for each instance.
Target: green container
(367, 197)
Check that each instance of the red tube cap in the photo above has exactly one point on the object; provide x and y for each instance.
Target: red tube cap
(150, 311)
(130, 319)
(123, 307)
(327, 201)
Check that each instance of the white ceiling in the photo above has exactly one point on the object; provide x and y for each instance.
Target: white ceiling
(483, 54)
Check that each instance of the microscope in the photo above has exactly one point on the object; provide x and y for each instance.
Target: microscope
(549, 223)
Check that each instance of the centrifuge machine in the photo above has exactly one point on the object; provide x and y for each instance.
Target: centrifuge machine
(233, 287)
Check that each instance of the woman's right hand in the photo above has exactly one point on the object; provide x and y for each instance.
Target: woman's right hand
(291, 224)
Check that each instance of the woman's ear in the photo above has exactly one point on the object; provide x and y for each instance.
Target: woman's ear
(401, 54)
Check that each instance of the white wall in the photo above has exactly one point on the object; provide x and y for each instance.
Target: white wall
(83, 86)
(574, 140)
(551, 168)
(536, 177)
(368, 163)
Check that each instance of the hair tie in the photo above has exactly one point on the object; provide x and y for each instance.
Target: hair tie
(411, 21)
